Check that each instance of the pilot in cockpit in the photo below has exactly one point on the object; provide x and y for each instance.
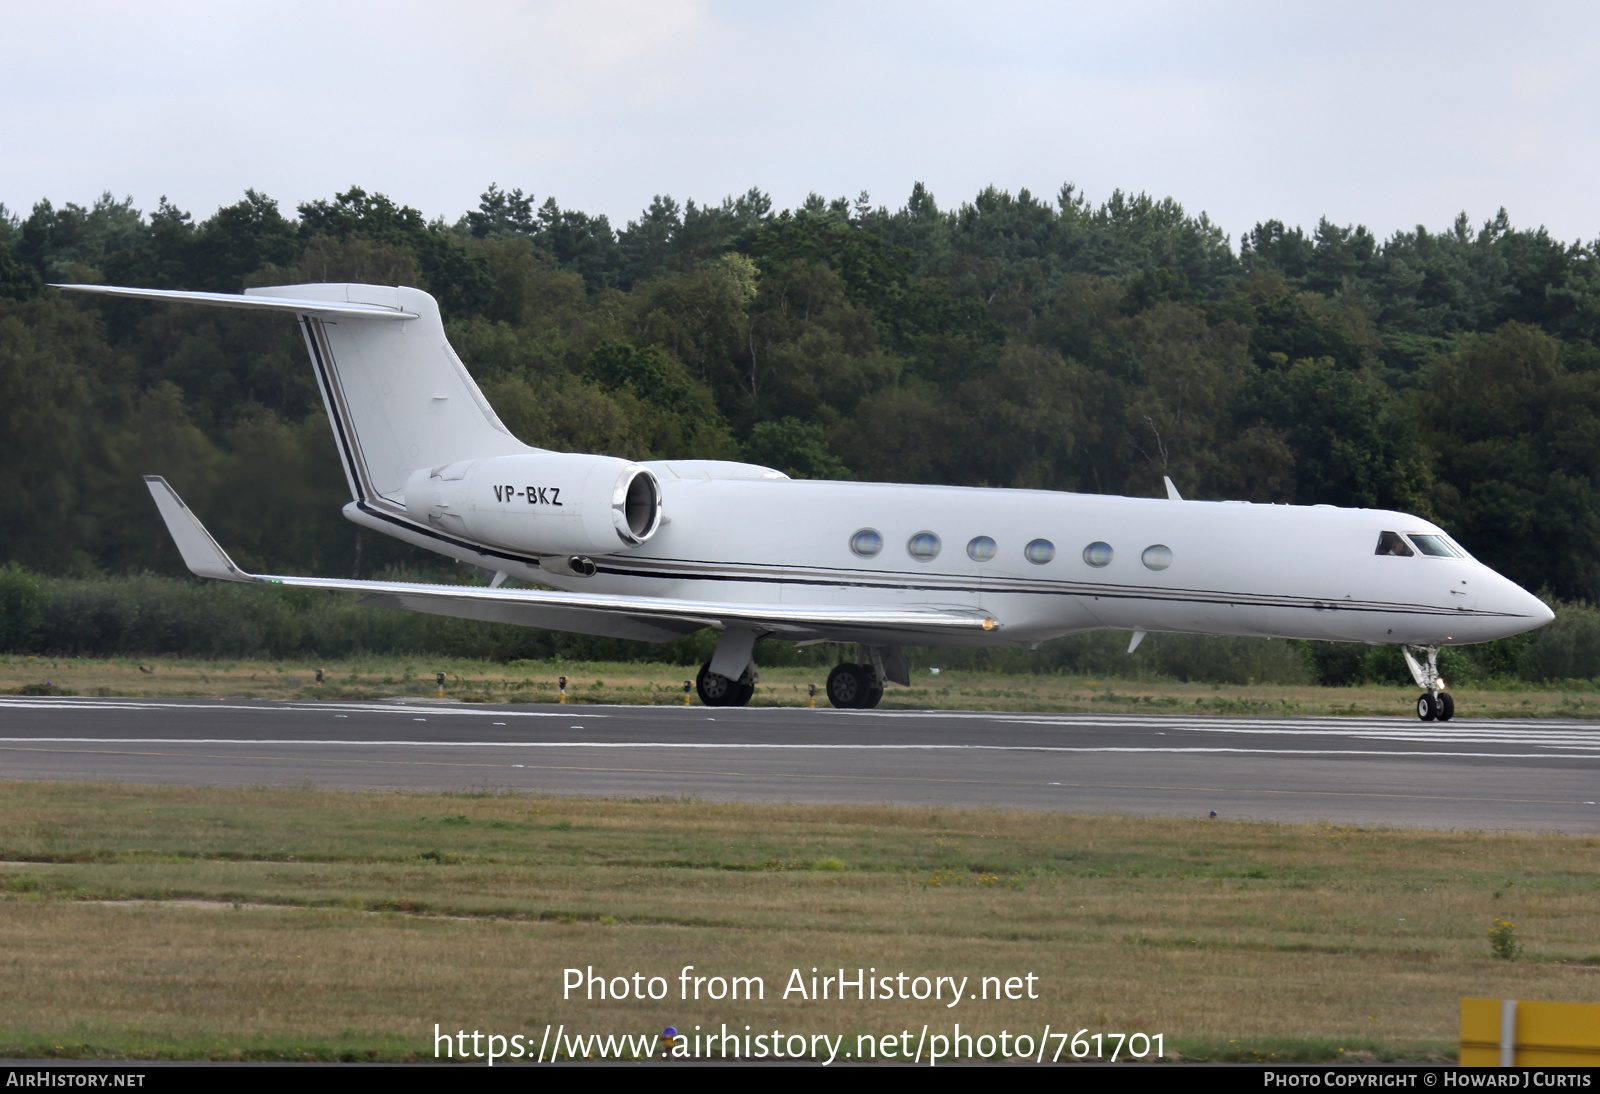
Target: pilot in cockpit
(1391, 543)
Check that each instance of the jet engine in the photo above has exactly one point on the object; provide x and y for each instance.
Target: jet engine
(553, 504)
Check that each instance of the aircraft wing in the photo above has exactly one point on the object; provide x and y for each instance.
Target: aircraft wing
(650, 619)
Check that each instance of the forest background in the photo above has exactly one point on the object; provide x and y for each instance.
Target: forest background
(1010, 341)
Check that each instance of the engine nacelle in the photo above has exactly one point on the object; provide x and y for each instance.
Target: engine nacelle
(544, 503)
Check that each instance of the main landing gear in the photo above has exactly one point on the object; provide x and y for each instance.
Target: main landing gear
(719, 691)
(859, 685)
(1434, 704)
(736, 681)
(854, 687)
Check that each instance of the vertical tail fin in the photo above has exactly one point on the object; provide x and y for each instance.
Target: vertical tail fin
(397, 396)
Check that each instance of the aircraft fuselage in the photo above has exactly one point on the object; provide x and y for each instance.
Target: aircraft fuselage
(1045, 564)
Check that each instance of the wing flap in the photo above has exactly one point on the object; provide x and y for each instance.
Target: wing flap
(528, 613)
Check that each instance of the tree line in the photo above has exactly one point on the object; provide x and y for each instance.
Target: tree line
(1010, 340)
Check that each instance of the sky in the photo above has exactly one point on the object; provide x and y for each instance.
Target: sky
(1389, 114)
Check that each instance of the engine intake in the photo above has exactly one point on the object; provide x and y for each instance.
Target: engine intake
(544, 503)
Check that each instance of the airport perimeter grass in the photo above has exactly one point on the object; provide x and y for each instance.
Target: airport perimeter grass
(642, 683)
(174, 922)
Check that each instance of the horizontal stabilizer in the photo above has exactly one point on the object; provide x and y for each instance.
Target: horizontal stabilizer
(325, 309)
(651, 619)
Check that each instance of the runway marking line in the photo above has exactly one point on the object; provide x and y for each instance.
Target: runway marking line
(846, 778)
(279, 707)
(1346, 723)
(837, 747)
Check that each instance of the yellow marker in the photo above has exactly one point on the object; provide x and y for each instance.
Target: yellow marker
(563, 682)
(686, 687)
(812, 689)
(1512, 1033)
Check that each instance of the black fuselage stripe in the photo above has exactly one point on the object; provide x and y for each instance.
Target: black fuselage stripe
(331, 398)
(466, 545)
(336, 378)
(1221, 599)
(997, 586)
(1196, 597)
(1232, 601)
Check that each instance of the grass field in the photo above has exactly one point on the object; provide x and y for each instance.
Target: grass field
(268, 923)
(589, 682)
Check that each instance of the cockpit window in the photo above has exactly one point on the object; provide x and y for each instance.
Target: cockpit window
(1391, 543)
(1434, 546)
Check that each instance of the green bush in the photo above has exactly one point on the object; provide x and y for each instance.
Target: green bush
(1568, 648)
(21, 606)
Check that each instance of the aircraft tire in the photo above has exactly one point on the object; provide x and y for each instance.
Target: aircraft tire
(847, 687)
(1427, 707)
(719, 691)
(874, 697)
(1447, 706)
(747, 691)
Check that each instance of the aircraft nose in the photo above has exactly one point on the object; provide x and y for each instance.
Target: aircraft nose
(1524, 611)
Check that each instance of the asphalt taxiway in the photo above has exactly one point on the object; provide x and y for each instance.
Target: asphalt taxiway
(1520, 775)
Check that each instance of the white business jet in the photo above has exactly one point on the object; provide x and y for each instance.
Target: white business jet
(655, 550)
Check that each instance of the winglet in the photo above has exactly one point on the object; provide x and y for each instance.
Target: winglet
(200, 552)
(1172, 491)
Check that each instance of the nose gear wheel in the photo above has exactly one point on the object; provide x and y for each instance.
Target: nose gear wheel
(1434, 704)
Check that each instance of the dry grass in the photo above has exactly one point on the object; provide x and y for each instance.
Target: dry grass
(271, 922)
(634, 683)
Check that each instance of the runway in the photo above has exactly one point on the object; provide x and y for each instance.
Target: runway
(1517, 775)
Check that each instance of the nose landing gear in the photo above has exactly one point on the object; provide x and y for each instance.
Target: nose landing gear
(1432, 707)
(1434, 704)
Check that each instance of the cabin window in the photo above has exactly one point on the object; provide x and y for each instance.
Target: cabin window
(1390, 543)
(1434, 546)
(1097, 554)
(1039, 552)
(981, 549)
(924, 546)
(866, 542)
(1157, 556)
